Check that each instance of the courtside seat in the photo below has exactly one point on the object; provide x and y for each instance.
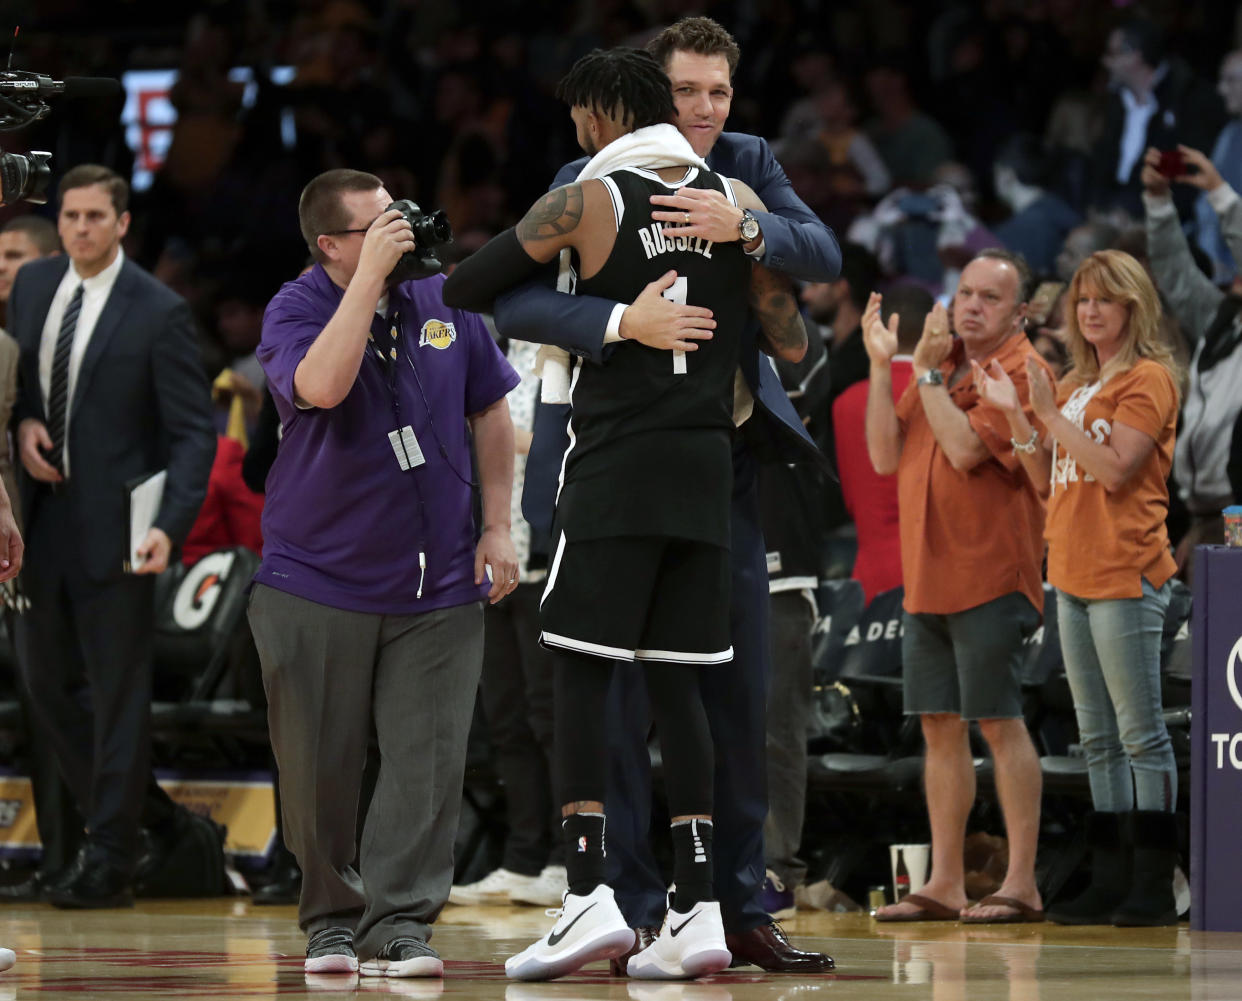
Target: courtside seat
(199, 615)
(871, 649)
(875, 773)
(1065, 774)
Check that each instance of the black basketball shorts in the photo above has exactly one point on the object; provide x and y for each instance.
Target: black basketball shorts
(645, 598)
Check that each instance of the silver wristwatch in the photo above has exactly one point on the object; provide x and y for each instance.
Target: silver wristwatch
(932, 377)
(748, 226)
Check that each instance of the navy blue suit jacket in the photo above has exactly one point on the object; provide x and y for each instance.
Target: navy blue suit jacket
(141, 404)
(796, 242)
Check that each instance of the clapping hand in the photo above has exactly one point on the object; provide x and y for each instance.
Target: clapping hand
(880, 341)
(936, 343)
(995, 387)
(1043, 397)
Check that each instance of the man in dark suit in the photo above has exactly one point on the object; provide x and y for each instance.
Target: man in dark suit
(1156, 100)
(111, 389)
(699, 57)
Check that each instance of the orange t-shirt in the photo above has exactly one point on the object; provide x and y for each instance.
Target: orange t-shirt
(968, 537)
(1101, 545)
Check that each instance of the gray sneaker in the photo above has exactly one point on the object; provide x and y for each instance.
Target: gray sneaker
(331, 950)
(404, 957)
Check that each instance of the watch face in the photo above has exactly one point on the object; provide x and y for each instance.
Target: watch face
(749, 227)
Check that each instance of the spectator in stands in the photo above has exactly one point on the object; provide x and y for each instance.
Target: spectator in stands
(912, 144)
(23, 239)
(1227, 158)
(1157, 101)
(1039, 220)
(1046, 326)
(837, 307)
(96, 329)
(793, 503)
(871, 498)
(1081, 243)
(829, 116)
(366, 610)
(232, 513)
(516, 693)
(1105, 438)
(1212, 321)
(964, 630)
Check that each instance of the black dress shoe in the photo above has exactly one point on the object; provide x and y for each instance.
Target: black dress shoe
(767, 948)
(97, 885)
(283, 889)
(28, 889)
(643, 937)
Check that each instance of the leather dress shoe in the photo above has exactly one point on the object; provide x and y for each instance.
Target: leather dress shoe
(94, 885)
(767, 948)
(643, 937)
(31, 888)
(285, 887)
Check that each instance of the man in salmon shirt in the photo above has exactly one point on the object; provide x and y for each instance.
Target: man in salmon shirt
(971, 527)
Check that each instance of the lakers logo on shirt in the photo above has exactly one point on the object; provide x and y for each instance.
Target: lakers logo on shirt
(438, 334)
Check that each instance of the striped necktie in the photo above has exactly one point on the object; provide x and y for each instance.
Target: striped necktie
(58, 394)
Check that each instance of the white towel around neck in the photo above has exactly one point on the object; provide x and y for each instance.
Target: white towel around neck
(652, 148)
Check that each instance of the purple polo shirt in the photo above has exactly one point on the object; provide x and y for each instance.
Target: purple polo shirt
(343, 524)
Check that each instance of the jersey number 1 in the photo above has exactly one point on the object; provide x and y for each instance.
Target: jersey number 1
(677, 293)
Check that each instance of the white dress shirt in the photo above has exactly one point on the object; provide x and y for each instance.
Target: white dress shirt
(1134, 128)
(95, 292)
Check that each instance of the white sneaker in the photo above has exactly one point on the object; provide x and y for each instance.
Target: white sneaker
(546, 890)
(7, 958)
(495, 888)
(689, 945)
(589, 928)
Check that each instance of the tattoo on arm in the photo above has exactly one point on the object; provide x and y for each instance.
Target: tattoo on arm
(555, 214)
(773, 302)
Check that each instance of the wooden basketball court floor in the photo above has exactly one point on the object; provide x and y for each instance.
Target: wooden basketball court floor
(228, 949)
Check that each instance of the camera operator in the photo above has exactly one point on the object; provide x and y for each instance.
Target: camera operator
(367, 608)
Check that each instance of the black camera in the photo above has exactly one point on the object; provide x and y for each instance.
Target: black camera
(430, 232)
(25, 176)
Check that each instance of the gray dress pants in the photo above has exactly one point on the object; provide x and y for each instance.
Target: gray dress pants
(333, 676)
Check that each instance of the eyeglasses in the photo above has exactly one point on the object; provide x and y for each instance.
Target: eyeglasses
(342, 232)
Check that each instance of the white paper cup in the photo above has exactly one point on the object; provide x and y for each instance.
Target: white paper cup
(917, 858)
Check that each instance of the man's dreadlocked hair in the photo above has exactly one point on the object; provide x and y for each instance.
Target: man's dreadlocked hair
(626, 84)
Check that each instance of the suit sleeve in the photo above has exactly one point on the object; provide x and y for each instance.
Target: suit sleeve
(27, 402)
(183, 403)
(537, 313)
(796, 241)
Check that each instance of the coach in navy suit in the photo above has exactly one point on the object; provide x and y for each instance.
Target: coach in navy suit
(700, 57)
(111, 389)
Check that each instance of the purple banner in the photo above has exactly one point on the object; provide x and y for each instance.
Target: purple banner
(1216, 742)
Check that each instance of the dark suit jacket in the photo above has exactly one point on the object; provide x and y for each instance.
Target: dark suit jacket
(141, 404)
(796, 242)
(1189, 112)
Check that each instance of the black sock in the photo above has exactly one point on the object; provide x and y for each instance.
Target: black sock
(584, 851)
(692, 863)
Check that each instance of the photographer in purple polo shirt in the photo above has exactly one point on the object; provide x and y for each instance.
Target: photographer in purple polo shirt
(367, 610)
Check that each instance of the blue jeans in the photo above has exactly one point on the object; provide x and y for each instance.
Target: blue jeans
(1111, 649)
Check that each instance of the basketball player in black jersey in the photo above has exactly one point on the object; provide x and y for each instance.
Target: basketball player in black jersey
(641, 569)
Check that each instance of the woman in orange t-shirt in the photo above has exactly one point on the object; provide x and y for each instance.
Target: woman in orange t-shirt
(1106, 450)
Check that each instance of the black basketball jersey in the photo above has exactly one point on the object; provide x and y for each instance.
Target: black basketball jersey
(651, 431)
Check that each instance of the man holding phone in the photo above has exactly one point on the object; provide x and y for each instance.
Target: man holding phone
(963, 632)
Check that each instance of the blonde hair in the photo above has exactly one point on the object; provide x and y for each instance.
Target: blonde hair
(1119, 276)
